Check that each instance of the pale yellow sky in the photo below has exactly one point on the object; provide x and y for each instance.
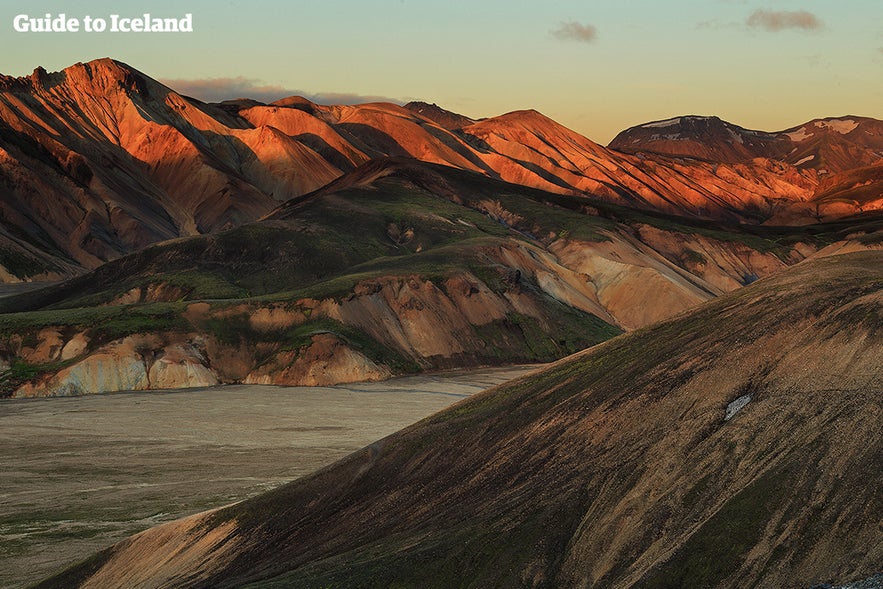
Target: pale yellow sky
(597, 67)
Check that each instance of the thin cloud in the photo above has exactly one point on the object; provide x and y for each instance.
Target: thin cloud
(218, 89)
(775, 21)
(574, 31)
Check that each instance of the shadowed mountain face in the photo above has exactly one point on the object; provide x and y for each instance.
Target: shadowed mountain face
(736, 445)
(704, 138)
(444, 118)
(99, 160)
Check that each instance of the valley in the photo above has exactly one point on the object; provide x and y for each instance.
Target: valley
(82, 473)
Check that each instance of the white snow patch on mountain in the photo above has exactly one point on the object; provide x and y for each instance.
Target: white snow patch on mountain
(841, 126)
(803, 160)
(665, 123)
(798, 135)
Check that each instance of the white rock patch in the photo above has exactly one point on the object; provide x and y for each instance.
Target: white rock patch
(735, 406)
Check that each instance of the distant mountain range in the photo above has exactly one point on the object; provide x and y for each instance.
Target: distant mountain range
(100, 160)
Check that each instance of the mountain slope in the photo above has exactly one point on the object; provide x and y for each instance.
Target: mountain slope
(736, 445)
(442, 267)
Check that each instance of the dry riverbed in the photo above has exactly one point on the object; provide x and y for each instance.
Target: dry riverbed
(81, 473)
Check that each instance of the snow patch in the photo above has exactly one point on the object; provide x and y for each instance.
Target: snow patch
(798, 135)
(734, 407)
(736, 136)
(803, 160)
(843, 127)
(665, 123)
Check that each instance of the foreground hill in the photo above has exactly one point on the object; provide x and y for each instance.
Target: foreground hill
(737, 445)
(99, 160)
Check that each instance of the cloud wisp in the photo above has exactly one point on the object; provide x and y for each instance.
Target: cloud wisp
(218, 89)
(775, 21)
(574, 31)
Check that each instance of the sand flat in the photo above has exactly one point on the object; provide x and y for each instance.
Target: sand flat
(81, 473)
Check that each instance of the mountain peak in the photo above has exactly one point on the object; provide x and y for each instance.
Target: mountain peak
(699, 137)
(833, 126)
(107, 73)
(442, 117)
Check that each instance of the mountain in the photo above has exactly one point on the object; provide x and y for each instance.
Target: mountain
(704, 138)
(308, 227)
(835, 145)
(443, 268)
(99, 160)
(444, 118)
(736, 445)
(841, 157)
(828, 145)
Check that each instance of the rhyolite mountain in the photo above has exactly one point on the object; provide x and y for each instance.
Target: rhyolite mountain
(99, 160)
(737, 445)
(396, 266)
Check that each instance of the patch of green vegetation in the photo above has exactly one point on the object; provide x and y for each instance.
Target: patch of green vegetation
(696, 491)
(521, 338)
(493, 553)
(301, 335)
(694, 257)
(546, 219)
(231, 330)
(872, 238)
(21, 265)
(105, 323)
(21, 372)
(435, 265)
(717, 549)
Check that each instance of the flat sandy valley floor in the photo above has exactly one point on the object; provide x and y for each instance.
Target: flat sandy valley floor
(78, 474)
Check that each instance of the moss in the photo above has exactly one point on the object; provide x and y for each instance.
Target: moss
(105, 323)
(694, 257)
(716, 550)
(21, 265)
(299, 336)
(231, 330)
(21, 372)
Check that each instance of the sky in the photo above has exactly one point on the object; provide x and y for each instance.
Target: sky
(596, 66)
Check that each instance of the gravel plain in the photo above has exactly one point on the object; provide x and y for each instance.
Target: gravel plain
(78, 474)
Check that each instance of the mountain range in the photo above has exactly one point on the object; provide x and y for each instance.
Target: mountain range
(99, 160)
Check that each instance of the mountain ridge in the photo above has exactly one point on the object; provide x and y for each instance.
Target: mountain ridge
(100, 160)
